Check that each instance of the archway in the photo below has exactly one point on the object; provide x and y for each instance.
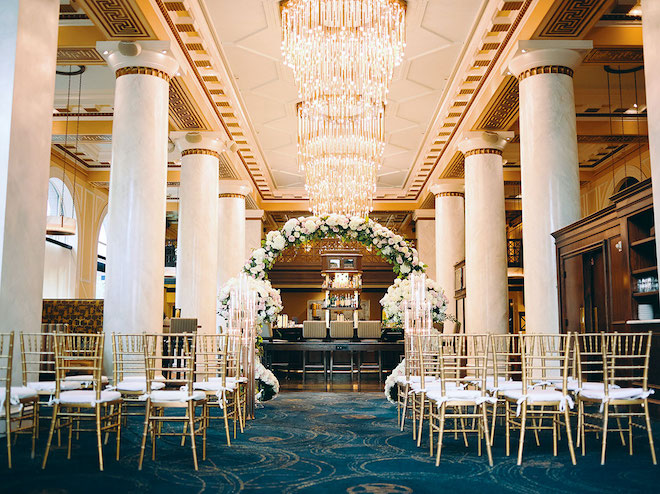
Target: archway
(60, 259)
(101, 264)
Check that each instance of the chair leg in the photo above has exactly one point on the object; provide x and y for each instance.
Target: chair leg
(223, 401)
(488, 439)
(569, 435)
(56, 408)
(205, 411)
(581, 432)
(630, 436)
(35, 426)
(618, 425)
(147, 412)
(191, 421)
(431, 415)
(8, 434)
(405, 407)
(492, 427)
(606, 413)
(421, 419)
(507, 417)
(99, 439)
(649, 432)
(119, 418)
(68, 448)
(523, 423)
(441, 433)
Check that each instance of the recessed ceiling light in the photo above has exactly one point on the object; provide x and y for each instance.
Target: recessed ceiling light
(164, 51)
(524, 51)
(105, 52)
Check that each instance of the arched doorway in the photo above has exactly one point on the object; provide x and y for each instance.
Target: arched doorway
(60, 260)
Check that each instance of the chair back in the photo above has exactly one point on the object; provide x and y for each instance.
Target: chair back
(370, 330)
(171, 356)
(463, 359)
(79, 353)
(38, 357)
(425, 356)
(55, 328)
(341, 329)
(211, 357)
(128, 356)
(588, 357)
(545, 359)
(626, 358)
(183, 325)
(505, 362)
(6, 359)
(314, 329)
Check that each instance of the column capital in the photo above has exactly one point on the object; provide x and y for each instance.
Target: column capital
(199, 143)
(484, 142)
(139, 57)
(533, 57)
(448, 187)
(254, 214)
(423, 214)
(233, 188)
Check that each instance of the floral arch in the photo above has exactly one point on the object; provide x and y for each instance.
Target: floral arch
(297, 231)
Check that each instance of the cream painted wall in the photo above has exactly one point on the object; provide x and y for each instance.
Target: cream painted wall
(59, 272)
(596, 194)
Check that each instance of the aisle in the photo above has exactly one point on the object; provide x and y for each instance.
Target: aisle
(312, 442)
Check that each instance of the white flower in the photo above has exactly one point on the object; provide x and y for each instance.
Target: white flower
(311, 226)
(290, 225)
(405, 269)
(279, 242)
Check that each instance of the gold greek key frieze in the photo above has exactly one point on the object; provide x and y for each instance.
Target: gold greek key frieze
(571, 19)
(208, 152)
(483, 151)
(236, 196)
(456, 167)
(450, 194)
(546, 69)
(143, 71)
(118, 19)
(79, 56)
(502, 109)
(182, 109)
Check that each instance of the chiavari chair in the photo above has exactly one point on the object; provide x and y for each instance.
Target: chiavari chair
(18, 404)
(545, 358)
(236, 374)
(79, 353)
(211, 375)
(173, 356)
(625, 366)
(504, 371)
(461, 397)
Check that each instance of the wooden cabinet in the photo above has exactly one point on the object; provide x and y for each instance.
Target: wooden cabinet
(607, 269)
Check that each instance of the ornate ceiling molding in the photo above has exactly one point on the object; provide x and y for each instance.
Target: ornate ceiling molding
(571, 19)
(615, 55)
(79, 56)
(182, 110)
(118, 19)
(502, 109)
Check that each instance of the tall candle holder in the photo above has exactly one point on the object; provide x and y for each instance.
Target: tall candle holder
(242, 321)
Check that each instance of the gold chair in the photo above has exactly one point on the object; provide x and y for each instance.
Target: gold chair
(211, 377)
(504, 372)
(173, 356)
(625, 366)
(461, 397)
(544, 359)
(83, 353)
(18, 404)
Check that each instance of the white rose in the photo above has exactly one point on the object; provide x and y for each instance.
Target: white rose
(405, 269)
(311, 226)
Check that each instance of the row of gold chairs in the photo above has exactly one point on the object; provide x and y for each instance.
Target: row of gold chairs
(529, 382)
(152, 373)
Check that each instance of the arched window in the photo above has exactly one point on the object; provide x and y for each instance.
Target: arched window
(60, 259)
(101, 260)
(625, 183)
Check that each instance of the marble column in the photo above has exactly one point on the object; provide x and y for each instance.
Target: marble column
(486, 297)
(449, 235)
(28, 52)
(197, 236)
(425, 239)
(231, 229)
(651, 34)
(549, 167)
(138, 182)
(253, 230)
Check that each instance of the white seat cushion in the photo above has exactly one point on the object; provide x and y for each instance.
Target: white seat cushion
(88, 397)
(18, 393)
(503, 385)
(49, 386)
(469, 395)
(142, 377)
(136, 385)
(177, 395)
(616, 393)
(432, 385)
(214, 385)
(86, 378)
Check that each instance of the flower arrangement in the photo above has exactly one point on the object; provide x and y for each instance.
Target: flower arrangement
(400, 291)
(269, 386)
(269, 302)
(389, 245)
(391, 382)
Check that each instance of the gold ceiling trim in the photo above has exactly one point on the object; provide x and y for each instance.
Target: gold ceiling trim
(473, 152)
(502, 109)
(207, 152)
(118, 19)
(78, 56)
(182, 109)
(143, 71)
(615, 55)
(571, 19)
(546, 69)
(456, 167)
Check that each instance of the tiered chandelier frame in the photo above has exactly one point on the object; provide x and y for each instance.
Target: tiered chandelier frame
(343, 54)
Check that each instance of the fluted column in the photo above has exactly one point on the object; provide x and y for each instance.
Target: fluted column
(651, 33)
(253, 230)
(486, 297)
(425, 238)
(197, 236)
(28, 51)
(231, 229)
(449, 235)
(138, 182)
(549, 167)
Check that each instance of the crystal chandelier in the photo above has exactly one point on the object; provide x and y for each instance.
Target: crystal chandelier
(343, 52)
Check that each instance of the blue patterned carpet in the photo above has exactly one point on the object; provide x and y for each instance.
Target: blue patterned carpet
(328, 442)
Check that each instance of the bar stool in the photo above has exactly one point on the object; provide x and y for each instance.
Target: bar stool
(314, 331)
(369, 331)
(341, 330)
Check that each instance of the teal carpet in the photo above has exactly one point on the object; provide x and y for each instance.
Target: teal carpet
(327, 442)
